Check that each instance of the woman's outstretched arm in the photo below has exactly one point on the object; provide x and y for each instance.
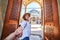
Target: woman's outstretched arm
(10, 37)
(14, 34)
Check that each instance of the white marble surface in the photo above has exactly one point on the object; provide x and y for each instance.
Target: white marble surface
(36, 32)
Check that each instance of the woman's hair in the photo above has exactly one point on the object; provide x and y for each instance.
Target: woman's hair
(25, 15)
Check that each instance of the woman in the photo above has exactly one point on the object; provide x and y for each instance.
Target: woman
(25, 29)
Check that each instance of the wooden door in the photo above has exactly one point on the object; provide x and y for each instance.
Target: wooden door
(11, 17)
(51, 20)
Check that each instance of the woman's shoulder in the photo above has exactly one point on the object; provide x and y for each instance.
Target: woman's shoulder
(23, 21)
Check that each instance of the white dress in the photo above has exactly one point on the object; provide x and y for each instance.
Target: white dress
(27, 29)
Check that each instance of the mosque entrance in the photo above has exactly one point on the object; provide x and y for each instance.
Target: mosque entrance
(44, 18)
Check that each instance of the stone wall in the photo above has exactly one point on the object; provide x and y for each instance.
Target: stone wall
(59, 10)
(3, 6)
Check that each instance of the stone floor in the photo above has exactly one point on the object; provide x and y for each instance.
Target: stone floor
(36, 35)
(36, 32)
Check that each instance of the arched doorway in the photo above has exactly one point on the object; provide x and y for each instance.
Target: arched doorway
(36, 19)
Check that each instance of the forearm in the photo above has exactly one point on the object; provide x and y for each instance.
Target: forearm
(10, 37)
(15, 34)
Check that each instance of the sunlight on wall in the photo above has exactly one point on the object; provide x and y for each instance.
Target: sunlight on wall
(59, 10)
(3, 6)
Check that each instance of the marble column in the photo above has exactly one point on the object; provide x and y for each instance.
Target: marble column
(3, 6)
(0, 22)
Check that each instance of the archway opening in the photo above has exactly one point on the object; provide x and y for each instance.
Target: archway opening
(34, 8)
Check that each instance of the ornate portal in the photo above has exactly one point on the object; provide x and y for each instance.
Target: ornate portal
(44, 18)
